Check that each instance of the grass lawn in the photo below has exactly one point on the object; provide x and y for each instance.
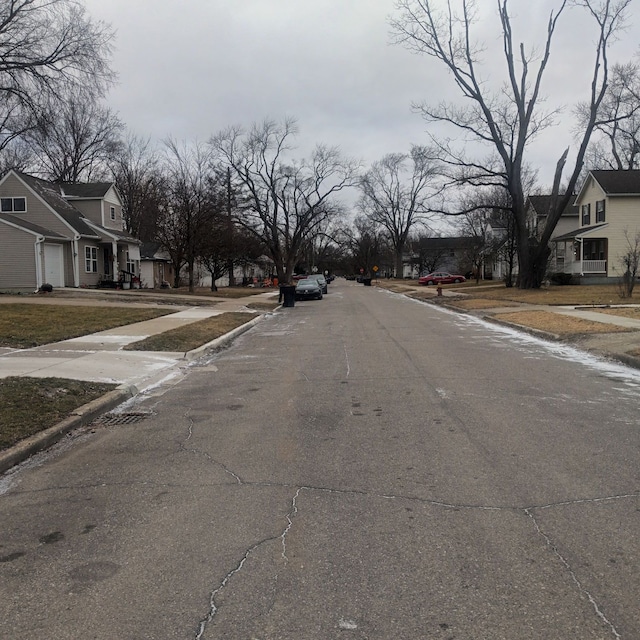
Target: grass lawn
(31, 325)
(193, 335)
(222, 292)
(561, 325)
(30, 405)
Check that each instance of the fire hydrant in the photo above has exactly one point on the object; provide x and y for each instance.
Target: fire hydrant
(439, 289)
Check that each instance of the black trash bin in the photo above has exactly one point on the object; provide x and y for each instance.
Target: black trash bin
(288, 295)
(366, 282)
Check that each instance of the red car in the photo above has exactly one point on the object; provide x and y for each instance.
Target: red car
(440, 277)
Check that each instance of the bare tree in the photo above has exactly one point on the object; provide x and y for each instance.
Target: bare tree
(630, 263)
(505, 119)
(74, 139)
(368, 245)
(616, 142)
(47, 47)
(395, 193)
(284, 201)
(136, 170)
(428, 251)
(191, 205)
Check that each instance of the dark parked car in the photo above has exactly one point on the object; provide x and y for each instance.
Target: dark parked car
(321, 281)
(440, 277)
(308, 289)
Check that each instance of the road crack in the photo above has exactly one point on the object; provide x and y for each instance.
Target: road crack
(213, 607)
(583, 590)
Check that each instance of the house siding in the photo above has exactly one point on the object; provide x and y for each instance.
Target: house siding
(99, 210)
(90, 209)
(622, 214)
(17, 259)
(37, 212)
(89, 279)
(625, 211)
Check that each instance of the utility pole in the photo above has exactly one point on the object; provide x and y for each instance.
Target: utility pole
(230, 230)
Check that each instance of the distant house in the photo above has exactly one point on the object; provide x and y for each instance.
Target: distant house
(453, 254)
(66, 235)
(156, 268)
(608, 212)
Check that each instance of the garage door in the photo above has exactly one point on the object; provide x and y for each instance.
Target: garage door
(53, 271)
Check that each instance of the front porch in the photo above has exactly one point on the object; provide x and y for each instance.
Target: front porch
(580, 254)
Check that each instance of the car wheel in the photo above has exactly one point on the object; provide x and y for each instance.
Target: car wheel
(429, 282)
(456, 280)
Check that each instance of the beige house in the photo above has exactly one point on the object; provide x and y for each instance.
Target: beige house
(65, 235)
(609, 217)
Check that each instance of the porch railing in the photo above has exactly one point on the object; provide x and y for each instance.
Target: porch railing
(582, 266)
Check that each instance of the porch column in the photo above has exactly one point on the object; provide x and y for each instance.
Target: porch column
(76, 261)
(114, 253)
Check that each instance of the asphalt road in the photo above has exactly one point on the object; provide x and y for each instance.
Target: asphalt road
(365, 466)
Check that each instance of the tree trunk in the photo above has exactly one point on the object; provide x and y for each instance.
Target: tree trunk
(399, 265)
(533, 259)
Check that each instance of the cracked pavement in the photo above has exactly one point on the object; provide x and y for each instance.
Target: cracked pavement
(365, 466)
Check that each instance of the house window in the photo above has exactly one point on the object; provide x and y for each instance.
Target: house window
(586, 214)
(131, 265)
(112, 212)
(91, 259)
(600, 211)
(594, 249)
(13, 205)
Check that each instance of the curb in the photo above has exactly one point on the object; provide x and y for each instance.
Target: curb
(79, 417)
(222, 340)
(87, 413)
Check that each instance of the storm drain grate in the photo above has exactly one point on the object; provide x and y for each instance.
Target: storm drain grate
(114, 419)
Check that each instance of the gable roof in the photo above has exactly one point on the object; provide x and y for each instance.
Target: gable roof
(86, 190)
(542, 203)
(618, 183)
(51, 194)
(455, 242)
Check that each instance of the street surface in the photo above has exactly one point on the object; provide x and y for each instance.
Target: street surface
(360, 467)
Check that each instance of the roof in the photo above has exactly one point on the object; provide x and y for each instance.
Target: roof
(542, 203)
(29, 226)
(457, 242)
(618, 183)
(86, 190)
(576, 233)
(51, 194)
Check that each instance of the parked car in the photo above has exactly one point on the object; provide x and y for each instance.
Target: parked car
(440, 277)
(321, 281)
(308, 289)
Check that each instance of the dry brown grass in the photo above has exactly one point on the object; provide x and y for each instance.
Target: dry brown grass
(203, 292)
(30, 405)
(553, 295)
(479, 303)
(629, 312)
(193, 335)
(561, 325)
(31, 325)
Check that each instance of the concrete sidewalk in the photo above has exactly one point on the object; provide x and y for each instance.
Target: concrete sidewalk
(99, 357)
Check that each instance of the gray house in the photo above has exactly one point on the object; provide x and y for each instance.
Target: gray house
(66, 235)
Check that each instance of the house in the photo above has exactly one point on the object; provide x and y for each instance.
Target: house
(66, 235)
(609, 217)
(454, 254)
(156, 268)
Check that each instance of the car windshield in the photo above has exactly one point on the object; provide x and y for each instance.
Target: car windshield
(306, 283)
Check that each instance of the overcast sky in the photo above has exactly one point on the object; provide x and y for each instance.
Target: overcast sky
(189, 68)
